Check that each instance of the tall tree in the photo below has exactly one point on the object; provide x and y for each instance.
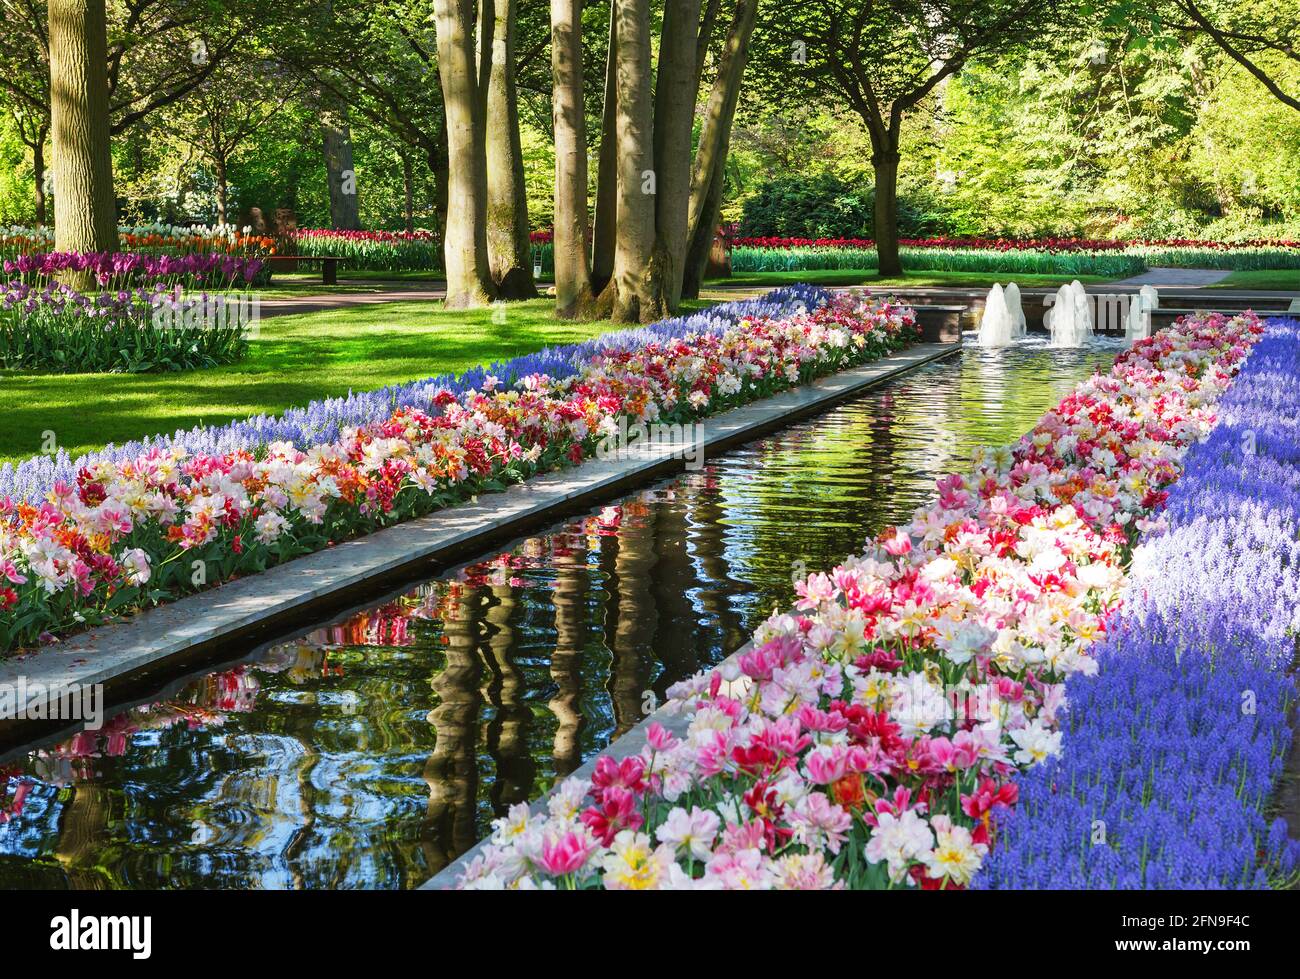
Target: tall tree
(85, 216)
(707, 175)
(509, 247)
(340, 175)
(221, 117)
(676, 88)
(883, 58)
(573, 293)
(465, 254)
(604, 234)
(626, 296)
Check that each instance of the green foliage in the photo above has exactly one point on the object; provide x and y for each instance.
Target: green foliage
(16, 187)
(823, 205)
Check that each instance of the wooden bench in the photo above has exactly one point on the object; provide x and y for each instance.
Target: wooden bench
(329, 265)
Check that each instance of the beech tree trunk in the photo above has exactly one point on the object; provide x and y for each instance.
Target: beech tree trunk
(38, 171)
(469, 280)
(345, 204)
(707, 177)
(408, 188)
(573, 294)
(626, 296)
(606, 229)
(85, 216)
(223, 191)
(884, 160)
(509, 249)
(675, 92)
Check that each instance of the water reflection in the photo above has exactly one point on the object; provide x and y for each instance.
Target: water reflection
(373, 752)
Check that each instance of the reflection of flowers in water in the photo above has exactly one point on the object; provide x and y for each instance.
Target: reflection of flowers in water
(204, 703)
(11, 805)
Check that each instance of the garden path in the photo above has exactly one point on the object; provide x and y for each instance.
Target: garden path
(1190, 278)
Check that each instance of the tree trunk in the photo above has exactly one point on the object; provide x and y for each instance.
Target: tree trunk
(469, 281)
(85, 217)
(708, 21)
(573, 294)
(675, 92)
(715, 143)
(701, 243)
(626, 297)
(510, 252)
(345, 204)
(223, 192)
(440, 165)
(408, 189)
(606, 228)
(38, 171)
(884, 160)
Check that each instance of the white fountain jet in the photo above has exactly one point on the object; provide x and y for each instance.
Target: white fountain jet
(997, 324)
(1138, 325)
(1069, 320)
(1018, 325)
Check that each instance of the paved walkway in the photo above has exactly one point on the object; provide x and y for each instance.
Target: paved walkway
(279, 306)
(1187, 278)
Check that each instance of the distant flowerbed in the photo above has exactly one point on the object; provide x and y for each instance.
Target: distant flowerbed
(87, 541)
(868, 740)
(388, 251)
(150, 239)
(1062, 256)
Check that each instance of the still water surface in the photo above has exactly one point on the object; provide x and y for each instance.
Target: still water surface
(373, 752)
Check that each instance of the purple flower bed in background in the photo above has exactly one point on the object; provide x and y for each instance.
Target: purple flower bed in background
(122, 269)
(322, 421)
(1172, 751)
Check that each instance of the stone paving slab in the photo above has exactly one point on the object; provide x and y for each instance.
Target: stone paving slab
(203, 626)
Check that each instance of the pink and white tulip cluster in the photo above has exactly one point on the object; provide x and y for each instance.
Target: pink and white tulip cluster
(864, 739)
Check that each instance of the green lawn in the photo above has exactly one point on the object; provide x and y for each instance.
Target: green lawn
(1287, 280)
(296, 359)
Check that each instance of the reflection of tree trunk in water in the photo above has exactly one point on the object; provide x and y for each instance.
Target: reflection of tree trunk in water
(882, 464)
(452, 770)
(83, 831)
(671, 577)
(570, 636)
(507, 733)
(710, 546)
(634, 629)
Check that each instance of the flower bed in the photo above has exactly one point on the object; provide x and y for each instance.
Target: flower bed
(59, 330)
(141, 319)
(867, 740)
(929, 258)
(1058, 256)
(150, 239)
(388, 251)
(1172, 753)
(124, 270)
(81, 543)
